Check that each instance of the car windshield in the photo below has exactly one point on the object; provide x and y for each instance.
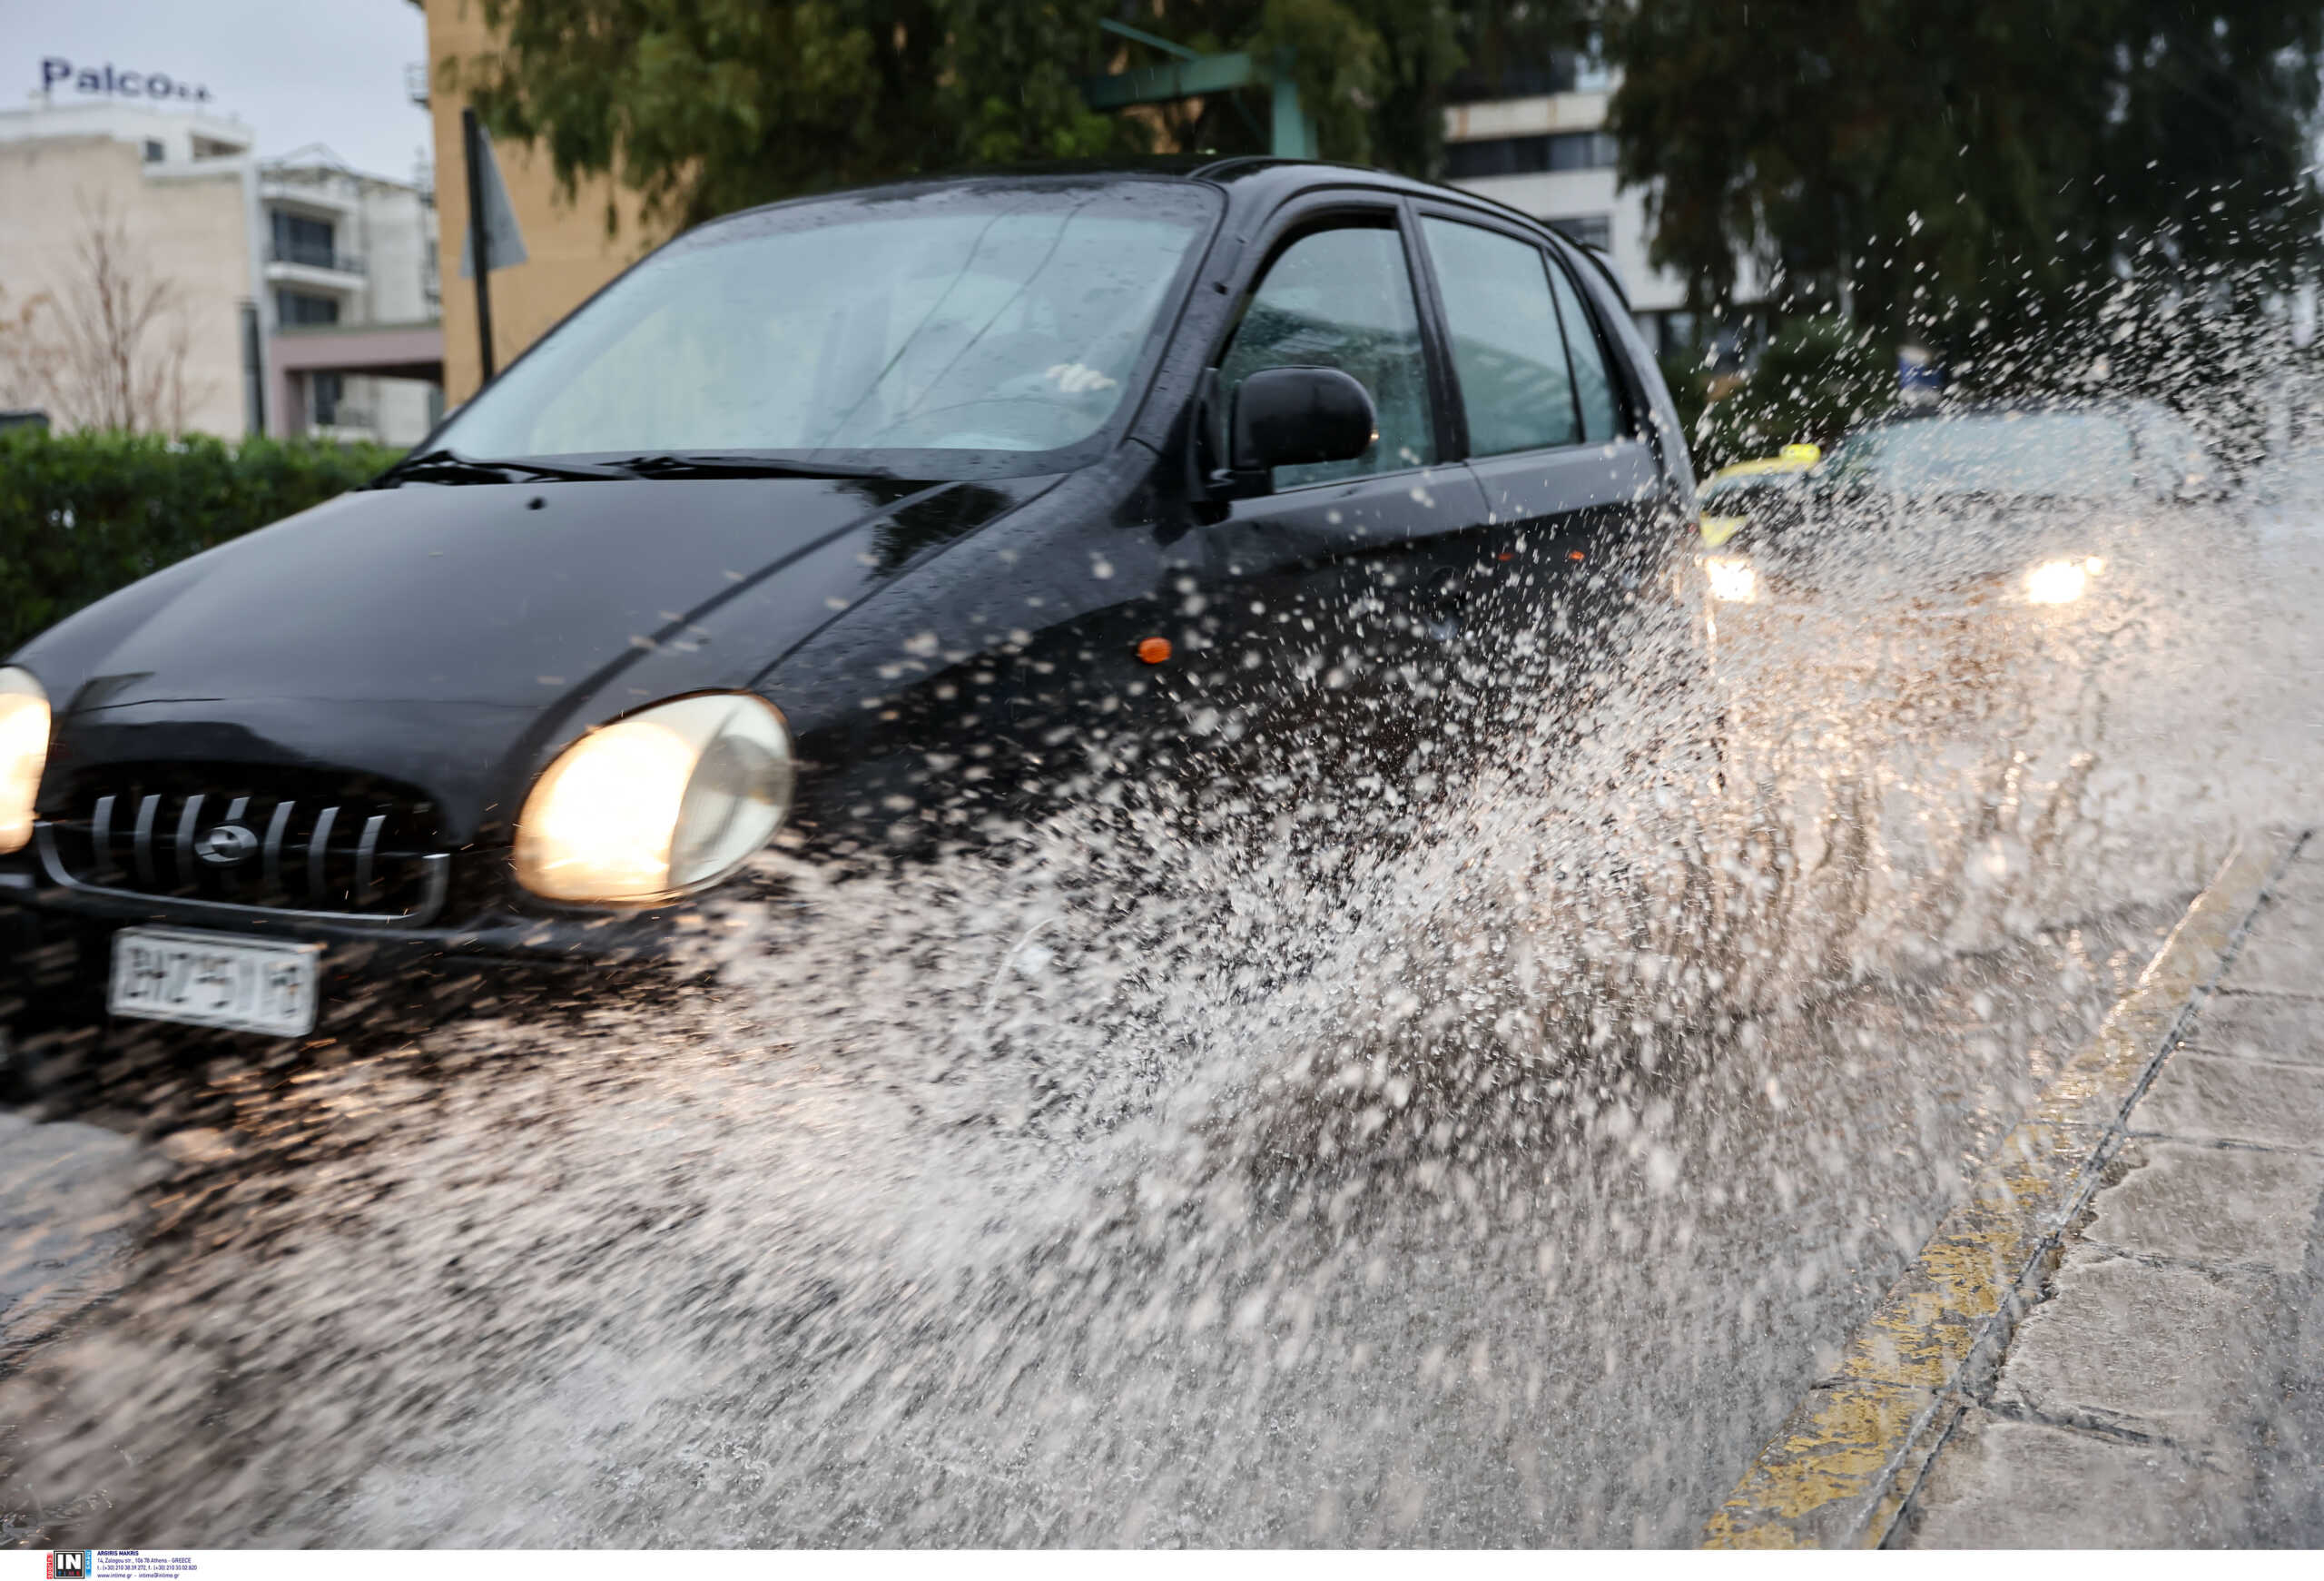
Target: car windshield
(984, 319)
(2065, 454)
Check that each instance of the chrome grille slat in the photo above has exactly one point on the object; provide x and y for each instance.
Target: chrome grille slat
(144, 836)
(319, 848)
(187, 819)
(270, 872)
(367, 850)
(101, 837)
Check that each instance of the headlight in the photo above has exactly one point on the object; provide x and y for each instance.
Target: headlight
(666, 800)
(2059, 581)
(24, 753)
(1732, 581)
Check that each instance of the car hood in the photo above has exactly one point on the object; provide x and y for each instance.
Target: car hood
(437, 636)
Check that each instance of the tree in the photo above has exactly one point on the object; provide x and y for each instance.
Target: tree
(705, 106)
(24, 355)
(1817, 377)
(1948, 169)
(110, 349)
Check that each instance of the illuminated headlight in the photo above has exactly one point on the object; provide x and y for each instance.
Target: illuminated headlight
(669, 799)
(24, 753)
(1732, 581)
(2059, 581)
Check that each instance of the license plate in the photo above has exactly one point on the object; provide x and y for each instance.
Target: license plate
(261, 986)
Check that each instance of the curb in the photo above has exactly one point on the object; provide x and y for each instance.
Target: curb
(1840, 1468)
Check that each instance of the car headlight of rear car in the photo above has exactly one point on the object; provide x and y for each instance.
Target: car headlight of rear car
(24, 753)
(2060, 581)
(1733, 579)
(669, 799)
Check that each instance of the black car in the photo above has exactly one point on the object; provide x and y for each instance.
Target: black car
(850, 519)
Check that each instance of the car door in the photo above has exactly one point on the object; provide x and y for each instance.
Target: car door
(1551, 437)
(1311, 581)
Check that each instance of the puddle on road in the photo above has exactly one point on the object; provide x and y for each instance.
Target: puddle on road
(1222, 1185)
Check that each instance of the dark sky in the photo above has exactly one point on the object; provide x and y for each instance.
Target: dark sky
(296, 71)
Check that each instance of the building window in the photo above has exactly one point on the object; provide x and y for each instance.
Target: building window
(1588, 230)
(1555, 150)
(1673, 332)
(154, 152)
(1496, 70)
(323, 394)
(300, 239)
(299, 307)
(1680, 332)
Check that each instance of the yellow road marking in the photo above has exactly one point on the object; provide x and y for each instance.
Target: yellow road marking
(1845, 1461)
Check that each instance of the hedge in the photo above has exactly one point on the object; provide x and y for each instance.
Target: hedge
(84, 514)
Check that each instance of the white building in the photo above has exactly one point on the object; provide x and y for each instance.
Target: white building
(350, 264)
(296, 296)
(1548, 154)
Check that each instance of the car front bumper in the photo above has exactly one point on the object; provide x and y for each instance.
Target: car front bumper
(54, 938)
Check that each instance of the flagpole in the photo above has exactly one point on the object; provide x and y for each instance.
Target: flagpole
(480, 236)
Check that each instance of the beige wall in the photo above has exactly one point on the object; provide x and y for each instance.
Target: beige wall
(569, 254)
(187, 224)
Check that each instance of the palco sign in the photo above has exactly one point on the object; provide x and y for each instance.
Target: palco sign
(111, 79)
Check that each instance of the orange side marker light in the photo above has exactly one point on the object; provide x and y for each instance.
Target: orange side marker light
(1155, 649)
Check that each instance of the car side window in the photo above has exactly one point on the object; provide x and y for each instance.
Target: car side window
(1343, 299)
(1593, 388)
(1509, 353)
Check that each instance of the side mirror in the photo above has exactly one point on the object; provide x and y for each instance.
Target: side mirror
(1296, 417)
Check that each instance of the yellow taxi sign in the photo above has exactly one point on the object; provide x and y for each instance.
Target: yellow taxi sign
(1791, 461)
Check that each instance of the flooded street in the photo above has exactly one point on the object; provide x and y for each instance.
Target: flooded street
(1323, 1163)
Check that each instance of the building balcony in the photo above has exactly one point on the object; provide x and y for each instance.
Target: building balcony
(341, 273)
(415, 83)
(328, 258)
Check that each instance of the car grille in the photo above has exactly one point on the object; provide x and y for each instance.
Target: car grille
(314, 845)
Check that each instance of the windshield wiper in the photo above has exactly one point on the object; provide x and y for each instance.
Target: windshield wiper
(737, 465)
(451, 467)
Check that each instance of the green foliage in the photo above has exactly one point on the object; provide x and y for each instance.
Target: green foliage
(1816, 380)
(1340, 62)
(1688, 379)
(705, 106)
(84, 514)
(1957, 169)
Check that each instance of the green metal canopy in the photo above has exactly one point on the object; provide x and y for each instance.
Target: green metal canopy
(1189, 76)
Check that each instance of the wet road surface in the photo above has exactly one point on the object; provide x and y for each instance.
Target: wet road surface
(1503, 1189)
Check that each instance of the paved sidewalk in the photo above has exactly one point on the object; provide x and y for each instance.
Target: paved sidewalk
(2169, 1388)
